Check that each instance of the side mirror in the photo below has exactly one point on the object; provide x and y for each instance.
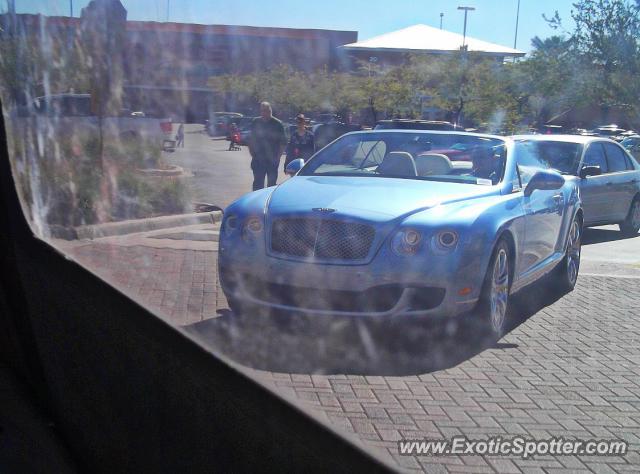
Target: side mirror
(293, 167)
(544, 180)
(590, 170)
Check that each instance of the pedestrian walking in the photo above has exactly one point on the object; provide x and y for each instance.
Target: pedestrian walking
(301, 142)
(266, 144)
(180, 136)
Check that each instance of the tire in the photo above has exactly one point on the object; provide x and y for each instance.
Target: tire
(494, 299)
(565, 275)
(631, 224)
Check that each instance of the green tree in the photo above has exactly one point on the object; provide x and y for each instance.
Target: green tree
(546, 82)
(605, 53)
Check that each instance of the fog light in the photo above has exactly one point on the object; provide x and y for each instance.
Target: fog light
(465, 291)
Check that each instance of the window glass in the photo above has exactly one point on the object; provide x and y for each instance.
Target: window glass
(367, 153)
(420, 156)
(561, 156)
(362, 285)
(594, 156)
(615, 158)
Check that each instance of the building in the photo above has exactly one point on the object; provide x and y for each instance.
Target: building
(167, 65)
(392, 48)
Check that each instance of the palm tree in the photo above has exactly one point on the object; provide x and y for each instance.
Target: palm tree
(551, 46)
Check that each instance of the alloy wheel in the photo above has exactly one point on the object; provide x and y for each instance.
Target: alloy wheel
(573, 252)
(635, 214)
(499, 296)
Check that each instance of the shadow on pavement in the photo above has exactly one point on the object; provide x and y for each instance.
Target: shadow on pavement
(597, 236)
(300, 344)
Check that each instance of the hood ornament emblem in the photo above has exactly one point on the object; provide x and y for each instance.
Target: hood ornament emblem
(323, 209)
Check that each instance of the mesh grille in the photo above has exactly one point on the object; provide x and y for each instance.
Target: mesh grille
(324, 239)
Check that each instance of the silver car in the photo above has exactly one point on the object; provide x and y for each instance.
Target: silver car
(609, 175)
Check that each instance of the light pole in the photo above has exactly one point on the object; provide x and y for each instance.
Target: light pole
(441, 15)
(167, 10)
(464, 34)
(515, 40)
(71, 8)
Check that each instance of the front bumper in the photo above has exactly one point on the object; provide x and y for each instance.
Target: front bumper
(374, 290)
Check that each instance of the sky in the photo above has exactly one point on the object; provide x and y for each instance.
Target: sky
(493, 20)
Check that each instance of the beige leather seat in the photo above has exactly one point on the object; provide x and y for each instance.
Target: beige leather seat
(432, 163)
(398, 164)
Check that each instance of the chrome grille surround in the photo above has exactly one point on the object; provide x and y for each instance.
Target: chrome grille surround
(321, 239)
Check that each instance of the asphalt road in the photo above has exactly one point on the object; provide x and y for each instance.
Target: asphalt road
(219, 176)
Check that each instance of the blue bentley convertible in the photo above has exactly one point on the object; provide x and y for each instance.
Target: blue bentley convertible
(412, 223)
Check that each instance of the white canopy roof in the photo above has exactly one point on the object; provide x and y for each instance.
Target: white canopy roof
(427, 39)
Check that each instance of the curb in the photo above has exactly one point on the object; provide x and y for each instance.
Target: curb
(110, 229)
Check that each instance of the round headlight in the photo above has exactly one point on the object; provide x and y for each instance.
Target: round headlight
(447, 239)
(230, 224)
(406, 242)
(411, 237)
(252, 226)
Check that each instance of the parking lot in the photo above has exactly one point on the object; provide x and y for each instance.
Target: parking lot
(568, 365)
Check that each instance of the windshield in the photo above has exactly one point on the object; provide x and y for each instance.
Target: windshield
(451, 157)
(561, 156)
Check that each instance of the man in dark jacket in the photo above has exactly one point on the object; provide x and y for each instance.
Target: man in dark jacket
(266, 144)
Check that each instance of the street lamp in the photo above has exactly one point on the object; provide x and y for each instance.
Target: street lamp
(464, 34)
(515, 40)
(441, 15)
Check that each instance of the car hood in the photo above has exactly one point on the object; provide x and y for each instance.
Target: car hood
(375, 198)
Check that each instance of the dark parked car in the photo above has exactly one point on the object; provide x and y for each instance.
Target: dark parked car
(325, 133)
(64, 105)
(609, 176)
(610, 131)
(552, 130)
(244, 129)
(219, 122)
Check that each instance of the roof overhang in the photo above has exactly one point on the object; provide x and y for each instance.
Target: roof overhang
(357, 49)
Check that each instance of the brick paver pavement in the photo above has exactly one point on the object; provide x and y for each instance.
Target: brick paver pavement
(569, 369)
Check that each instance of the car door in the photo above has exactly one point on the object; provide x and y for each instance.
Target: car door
(544, 211)
(593, 189)
(621, 182)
